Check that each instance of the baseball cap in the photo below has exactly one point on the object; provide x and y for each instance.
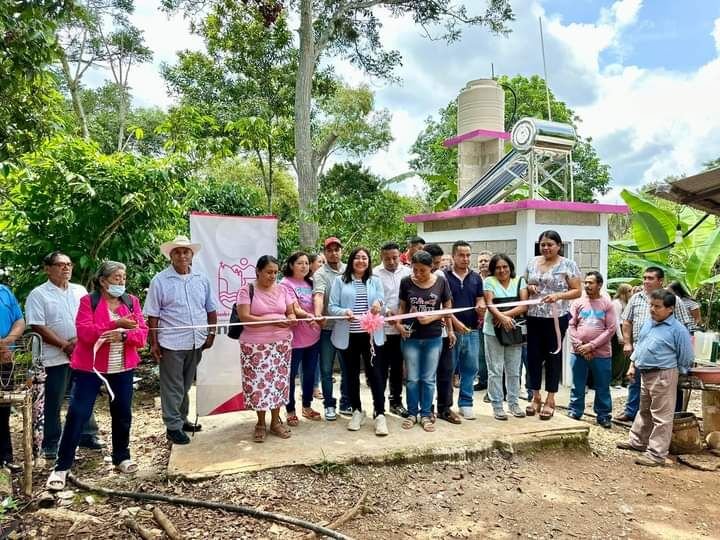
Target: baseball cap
(332, 240)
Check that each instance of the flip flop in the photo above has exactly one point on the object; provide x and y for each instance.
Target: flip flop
(56, 481)
(127, 466)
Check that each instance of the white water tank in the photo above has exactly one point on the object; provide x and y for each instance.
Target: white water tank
(481, 105)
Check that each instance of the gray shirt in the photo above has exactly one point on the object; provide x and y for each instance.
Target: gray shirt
(322, 282)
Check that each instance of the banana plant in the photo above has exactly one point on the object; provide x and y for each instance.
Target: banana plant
(691, 261)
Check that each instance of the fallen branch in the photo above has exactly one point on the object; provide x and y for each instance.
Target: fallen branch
(166, 524)
(235, 508)
(347, 516)
(142, 532)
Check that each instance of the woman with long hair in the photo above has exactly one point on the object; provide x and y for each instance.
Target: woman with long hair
(552, 279)
(306, 335)
(620, 361)
(265, 349)
(503, 338)
(353, 294)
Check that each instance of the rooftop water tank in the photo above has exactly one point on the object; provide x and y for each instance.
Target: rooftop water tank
(481, 105)
(530, 133)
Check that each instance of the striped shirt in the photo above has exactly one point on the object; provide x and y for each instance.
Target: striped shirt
(637, 312)
(116, 358)
(361, 305)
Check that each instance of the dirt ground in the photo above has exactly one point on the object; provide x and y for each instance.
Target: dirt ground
(588, 492)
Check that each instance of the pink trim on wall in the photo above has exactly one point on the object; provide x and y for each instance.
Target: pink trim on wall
(527, 204)
(488, 133)
(209, 214)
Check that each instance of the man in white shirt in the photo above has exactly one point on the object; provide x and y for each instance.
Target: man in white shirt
(391, 272)
(50, 311)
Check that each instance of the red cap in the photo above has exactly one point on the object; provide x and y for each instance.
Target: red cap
(332, 240)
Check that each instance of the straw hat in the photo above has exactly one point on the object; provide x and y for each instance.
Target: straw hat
(179, 241)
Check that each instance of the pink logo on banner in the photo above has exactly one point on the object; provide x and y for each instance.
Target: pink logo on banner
(231, 277)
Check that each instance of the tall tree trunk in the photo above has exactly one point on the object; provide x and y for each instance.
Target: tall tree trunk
(74, 89)
(122, 118)
(306, 168)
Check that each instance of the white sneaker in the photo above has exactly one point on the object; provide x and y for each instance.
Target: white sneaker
(381, 428)
(467, 413)
(357, 420)
(330, 414)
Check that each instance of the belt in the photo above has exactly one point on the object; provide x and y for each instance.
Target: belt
(653, 369)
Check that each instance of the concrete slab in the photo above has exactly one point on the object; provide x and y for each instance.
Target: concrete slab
(225, 445)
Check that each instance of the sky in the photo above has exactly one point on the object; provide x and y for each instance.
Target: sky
(643, 76)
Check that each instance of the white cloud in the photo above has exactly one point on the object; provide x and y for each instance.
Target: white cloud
(716, 34)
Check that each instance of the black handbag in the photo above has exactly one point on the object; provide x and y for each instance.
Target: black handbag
(513, 336)
(235, 331)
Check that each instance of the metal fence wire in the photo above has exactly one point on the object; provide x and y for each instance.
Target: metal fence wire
(19, 364)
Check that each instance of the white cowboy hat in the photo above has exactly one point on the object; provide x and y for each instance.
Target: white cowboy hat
(179, 241)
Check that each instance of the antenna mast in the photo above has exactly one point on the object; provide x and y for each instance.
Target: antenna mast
(547, 86)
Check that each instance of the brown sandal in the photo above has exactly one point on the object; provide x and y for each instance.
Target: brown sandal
(309, 413)
(409, 422)
(427, 424)
(544, 414)
(260, 433)
(533, 408)
(279, 430)
(293, 420)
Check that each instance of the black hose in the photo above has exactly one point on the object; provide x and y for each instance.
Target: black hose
(671, 244)
(237, 509)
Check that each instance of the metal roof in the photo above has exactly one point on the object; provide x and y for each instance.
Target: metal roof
(494, 181)
(701, 191)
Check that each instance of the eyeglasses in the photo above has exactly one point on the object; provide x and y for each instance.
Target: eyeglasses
(63, 264)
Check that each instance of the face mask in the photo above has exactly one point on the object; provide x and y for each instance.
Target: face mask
(116, 290)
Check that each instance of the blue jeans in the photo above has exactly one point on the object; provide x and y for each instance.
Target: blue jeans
(58, 379)
(601, 369)
(328, 352)
(421, 362)
(465, 359)
(633, 400)
(483, 372)
(307, 357)
(82, 400)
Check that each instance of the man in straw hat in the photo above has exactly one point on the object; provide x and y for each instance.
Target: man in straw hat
(179, 296)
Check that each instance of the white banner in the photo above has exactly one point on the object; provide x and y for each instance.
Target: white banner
(231, 246)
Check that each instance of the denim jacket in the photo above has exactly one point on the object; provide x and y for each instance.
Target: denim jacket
(342, 298)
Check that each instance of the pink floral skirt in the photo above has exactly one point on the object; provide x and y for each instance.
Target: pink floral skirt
(266, 374)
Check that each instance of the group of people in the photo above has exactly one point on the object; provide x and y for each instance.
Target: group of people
(314, 318)
(306, 320)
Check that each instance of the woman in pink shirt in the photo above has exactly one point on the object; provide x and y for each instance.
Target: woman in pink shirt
(306, 335)
(265, 348)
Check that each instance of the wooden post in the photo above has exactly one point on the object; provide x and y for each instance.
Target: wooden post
(27, 443)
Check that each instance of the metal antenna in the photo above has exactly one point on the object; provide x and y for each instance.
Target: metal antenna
(492, 71)
(547, 86)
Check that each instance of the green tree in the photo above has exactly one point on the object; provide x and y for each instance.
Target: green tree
(437, 165)
(351, 29)
(99, 34)
(69, 195)
(101, 106)
(30, 104)
(355, 206)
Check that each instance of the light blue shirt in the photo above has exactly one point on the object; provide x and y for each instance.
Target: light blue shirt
(10, 311)
(180, 300)
(342, 298)
(665, 345)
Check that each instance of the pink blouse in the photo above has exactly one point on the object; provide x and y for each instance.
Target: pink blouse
(273, 302)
